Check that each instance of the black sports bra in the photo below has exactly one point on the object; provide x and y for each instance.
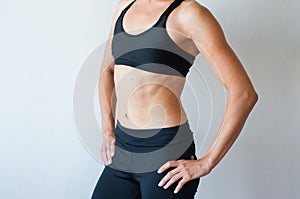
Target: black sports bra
(152, 50)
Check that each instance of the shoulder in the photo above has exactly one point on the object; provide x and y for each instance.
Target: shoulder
(194, 17)
(198, 24)
(192, 4)
(123, 3)
(191, 9)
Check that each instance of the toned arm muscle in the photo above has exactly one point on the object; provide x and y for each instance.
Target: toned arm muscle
(106, 93)
(200, 25)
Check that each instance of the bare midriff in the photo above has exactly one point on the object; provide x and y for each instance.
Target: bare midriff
(148, 100)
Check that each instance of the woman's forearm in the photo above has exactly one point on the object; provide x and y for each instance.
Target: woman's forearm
(107, 100)
(238, 107)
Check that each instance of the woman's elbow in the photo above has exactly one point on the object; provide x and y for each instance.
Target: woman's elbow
(250, 96)
(255, 96)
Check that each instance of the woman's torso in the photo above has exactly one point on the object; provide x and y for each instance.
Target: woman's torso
(148, 99)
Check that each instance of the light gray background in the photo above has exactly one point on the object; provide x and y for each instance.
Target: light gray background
(42, 47)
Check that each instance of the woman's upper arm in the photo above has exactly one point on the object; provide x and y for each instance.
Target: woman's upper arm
(108, 60)
(205, 31)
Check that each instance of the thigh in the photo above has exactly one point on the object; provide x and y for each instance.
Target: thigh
(115, 184)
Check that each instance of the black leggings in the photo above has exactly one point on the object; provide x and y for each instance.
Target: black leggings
(119, 180)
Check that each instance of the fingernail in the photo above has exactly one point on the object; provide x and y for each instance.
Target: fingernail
(159, 184)
(158, 171)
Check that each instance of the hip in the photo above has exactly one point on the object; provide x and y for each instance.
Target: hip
(143, 150)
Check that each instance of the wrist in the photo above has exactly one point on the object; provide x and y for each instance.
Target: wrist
(210, 162)
(107, 131)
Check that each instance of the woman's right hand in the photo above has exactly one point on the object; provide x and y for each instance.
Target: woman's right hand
(108, 147)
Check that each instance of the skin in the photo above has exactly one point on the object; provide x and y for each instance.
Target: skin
(199, 33)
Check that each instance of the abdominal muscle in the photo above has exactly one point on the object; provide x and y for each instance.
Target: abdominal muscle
(148, 100)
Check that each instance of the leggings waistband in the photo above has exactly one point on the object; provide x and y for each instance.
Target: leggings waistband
(140, 150)
(144, 133)
(147, 140)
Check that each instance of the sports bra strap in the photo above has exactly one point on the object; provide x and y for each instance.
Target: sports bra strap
(172, 6)
(128, 6)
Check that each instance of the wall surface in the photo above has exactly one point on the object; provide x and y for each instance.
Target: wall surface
(43, 47)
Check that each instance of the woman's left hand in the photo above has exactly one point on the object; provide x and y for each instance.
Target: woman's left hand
(185, 170)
